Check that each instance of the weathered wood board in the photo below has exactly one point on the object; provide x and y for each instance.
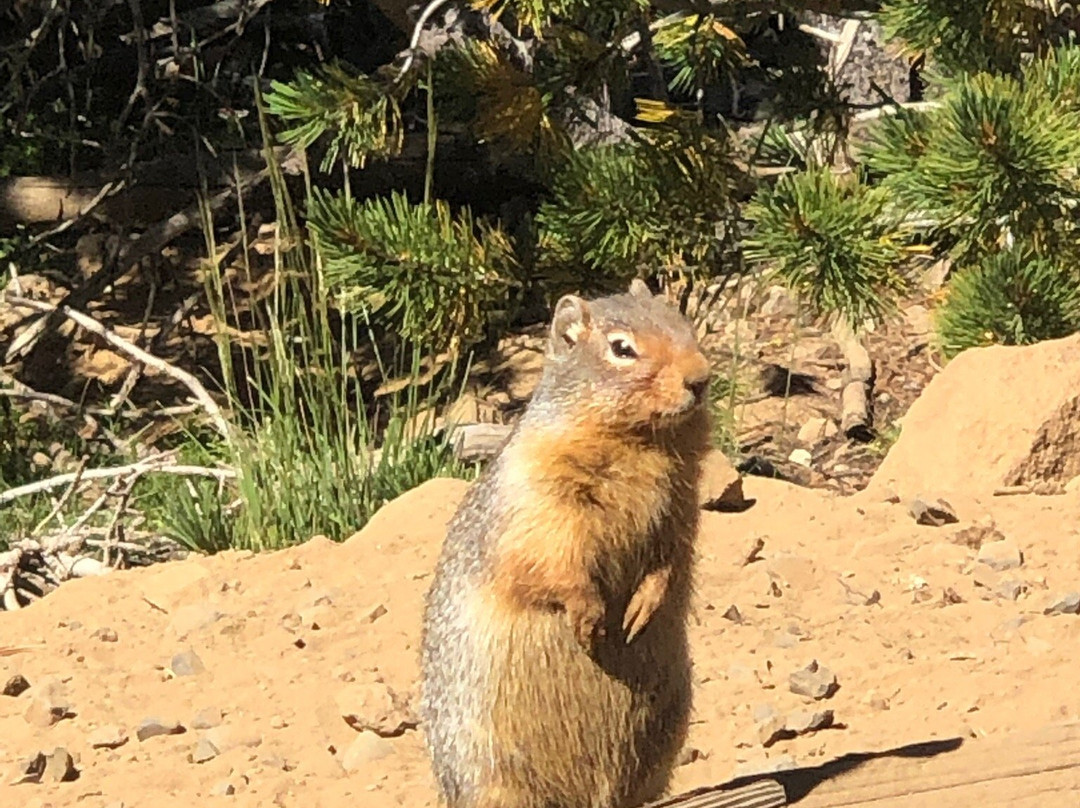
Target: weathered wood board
(1029, 770)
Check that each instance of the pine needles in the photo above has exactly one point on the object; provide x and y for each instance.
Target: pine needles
(423, 273)
(831, 242)
(1009, 298)
(360, 117)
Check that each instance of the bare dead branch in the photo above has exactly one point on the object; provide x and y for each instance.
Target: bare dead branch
(136, 353)
(59, 506)
(162, 464)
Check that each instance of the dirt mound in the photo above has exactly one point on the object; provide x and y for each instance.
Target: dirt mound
(289, 678)
(993, 418)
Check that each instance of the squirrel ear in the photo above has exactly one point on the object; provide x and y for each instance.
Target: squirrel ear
(638, 288)
(568, 323)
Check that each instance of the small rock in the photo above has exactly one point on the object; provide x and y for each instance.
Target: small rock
(1068, 604)
(107, 737)
(935, 513)
(186, 663)
(974, 536)
(814, 681)
(950, 597)
(277, 722)
(805, 721)
(16, 686)
(104, 634)
(59, 767)
(721, 484)
(1000, 555)
(1010, 589)
(30, 769)
(152, 727)
(816, 429)
(801, 457)
(204, 751)
(377, 708)
(365, 748)
(733, 614)
(48, 708)
(225, 738)
(207, 718)
(770, 726)
(223, 789)
(374, 613)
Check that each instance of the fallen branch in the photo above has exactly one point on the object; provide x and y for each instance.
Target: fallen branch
(152, 241)
(158, 465)
(133, 351)
(858, 377)
(59, 506)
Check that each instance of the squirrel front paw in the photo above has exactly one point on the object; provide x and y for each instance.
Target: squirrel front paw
(645, 601)
(586, 613)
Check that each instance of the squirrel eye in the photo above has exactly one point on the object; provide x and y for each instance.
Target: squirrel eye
(622, 349)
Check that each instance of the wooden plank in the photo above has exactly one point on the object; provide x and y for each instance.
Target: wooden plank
(1031, 769)
(762, 794)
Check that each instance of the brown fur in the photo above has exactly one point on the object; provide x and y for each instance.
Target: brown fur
(556, 669)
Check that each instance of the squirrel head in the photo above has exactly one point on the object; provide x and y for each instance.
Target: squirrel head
(628, 360)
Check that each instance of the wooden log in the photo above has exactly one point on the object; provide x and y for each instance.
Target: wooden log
(476, 442)
(762, 794)
(1037, 769)
(858, 378)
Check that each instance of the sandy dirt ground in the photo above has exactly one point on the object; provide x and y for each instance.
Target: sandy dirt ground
(270, 663)
(289, 678)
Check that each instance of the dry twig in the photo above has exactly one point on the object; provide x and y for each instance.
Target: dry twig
(138, 354)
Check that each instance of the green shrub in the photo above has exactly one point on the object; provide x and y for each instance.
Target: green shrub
(829, 241)
(1009, 298)
(997, 159)
(665, 205)
(968, 35)
(418, 270)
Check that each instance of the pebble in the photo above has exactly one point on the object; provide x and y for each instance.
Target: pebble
(373, 613)
(223, 789)
(934, 513)
(1000, 555)
(56, 766)
(16, 686)
(809, 721)
(377, 708)
(816, 429)
(105, 634)
(814, 681)
(225, 738)
(107, 737)
(365, 748)
(207, 718)
(204, 750)
(187, 663)
(48, 708)
(152, 727)
(733, 614)
(801, 457)
(59, 767)
(1067, 604)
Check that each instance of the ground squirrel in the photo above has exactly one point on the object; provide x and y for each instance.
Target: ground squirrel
(555, 667)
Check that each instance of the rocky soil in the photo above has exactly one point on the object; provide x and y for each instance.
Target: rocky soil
(942, 601)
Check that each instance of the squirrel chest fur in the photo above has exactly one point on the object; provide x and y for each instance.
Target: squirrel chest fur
(555, 667)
